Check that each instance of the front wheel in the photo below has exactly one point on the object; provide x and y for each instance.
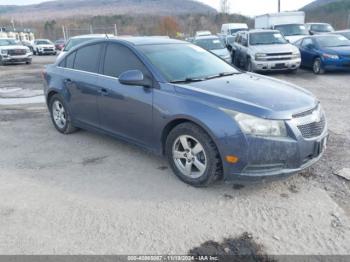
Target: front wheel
(193, 155)
(60, 115)
(249, 66)
(318, 67)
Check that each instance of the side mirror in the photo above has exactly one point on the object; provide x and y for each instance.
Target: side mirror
(134, 78)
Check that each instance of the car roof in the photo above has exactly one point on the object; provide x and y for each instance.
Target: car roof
(148, 40)
(91, 36)
(261, 31)
(207, 37)
(317, 24)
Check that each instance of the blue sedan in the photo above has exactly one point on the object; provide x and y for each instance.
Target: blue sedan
(177, 99)
(325, 53)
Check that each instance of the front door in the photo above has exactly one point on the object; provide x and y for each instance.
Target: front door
(125, 110)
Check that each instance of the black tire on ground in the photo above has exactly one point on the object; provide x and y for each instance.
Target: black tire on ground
(235, 60)
(249, 66)
(317, 66)
(213, 170)
(68, 128)
(28, 62)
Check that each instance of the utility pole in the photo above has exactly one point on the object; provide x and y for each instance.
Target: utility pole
(279, 6)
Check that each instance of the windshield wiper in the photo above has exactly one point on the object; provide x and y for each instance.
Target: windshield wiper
(221, 75)
(187, 80)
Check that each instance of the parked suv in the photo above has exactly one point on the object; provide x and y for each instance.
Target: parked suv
(44, 47)
(13, 52)
(174, 98)
(265, 50)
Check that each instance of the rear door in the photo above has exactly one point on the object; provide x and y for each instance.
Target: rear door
(81, 83)
(125, 110)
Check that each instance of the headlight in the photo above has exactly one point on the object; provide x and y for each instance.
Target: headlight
(296, 55)
(260, 56)
(256, 126)
(329, 56)
(4, 52)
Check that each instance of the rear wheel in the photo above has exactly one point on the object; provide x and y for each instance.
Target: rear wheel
(60, 115)
(318, 67)
(193, 155)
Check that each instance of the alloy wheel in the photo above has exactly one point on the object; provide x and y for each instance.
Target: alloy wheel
(189, 156)
(59, 114)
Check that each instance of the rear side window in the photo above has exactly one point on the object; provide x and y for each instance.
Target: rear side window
(87, 58)
(119, 59)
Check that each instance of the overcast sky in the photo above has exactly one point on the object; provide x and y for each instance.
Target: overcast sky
(245, 7)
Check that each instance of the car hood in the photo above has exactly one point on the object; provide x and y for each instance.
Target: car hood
(221, 52)
(252, 94)
(340, 50)
(10, 47)
(284, 48)
(293, 38)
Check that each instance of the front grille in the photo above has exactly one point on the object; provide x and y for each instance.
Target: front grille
(14, 52)
(48, 50)
(278, 54)
(310, 123)
(313, 129)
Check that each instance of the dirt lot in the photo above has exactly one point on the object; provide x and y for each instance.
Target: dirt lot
(89, 194)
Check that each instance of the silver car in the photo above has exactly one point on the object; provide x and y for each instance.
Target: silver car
(215, 45)
(265, 50)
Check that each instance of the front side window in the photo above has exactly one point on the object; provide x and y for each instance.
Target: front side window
(119, 59)
(87, 58)
(266, 38)
(182, 62)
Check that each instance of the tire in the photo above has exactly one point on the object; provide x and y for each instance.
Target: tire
(205, 164)
(28, 62)
(236, 61)
(60, 118)
(1, 62)
(249, 66)
(317, 67)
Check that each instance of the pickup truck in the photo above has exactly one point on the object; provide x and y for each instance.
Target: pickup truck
(13, 52)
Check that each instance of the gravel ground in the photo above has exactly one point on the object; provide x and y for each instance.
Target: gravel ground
(89, 194)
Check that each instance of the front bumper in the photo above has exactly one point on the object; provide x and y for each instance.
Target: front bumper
(47, 52)
(342, 64)
(16, 59)
(280, 65)
(273, 158)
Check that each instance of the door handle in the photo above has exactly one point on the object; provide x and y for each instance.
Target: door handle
(104, 91)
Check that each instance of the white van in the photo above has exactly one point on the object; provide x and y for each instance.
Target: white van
(233, 28)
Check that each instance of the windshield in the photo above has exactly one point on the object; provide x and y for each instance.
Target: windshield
(230, 40)
(6, 42)
(290, 30)
(333, 41)
(186, 62)
(267, 38)
(77, 41)
(210, 44)
(43, 42)
(234, 31)
(322, 28)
